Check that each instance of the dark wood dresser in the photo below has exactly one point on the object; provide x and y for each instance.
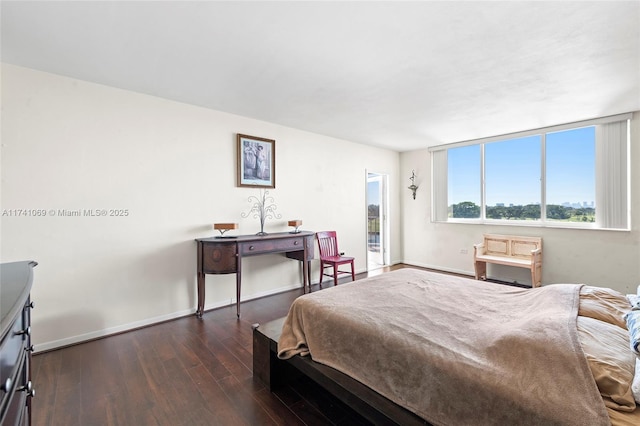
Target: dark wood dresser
(16, 388)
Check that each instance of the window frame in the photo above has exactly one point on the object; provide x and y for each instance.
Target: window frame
(439, 181)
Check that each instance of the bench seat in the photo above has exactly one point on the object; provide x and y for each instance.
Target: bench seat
(509, 250)
(523, 263)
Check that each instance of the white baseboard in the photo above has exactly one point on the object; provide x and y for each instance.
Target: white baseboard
(440, 268)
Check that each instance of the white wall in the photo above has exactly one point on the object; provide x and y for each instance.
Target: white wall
(69, 144)
(606, 258)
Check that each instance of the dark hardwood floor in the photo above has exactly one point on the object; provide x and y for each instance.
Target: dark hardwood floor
(187, 371)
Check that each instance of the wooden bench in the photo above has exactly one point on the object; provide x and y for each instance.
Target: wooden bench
(510, 250)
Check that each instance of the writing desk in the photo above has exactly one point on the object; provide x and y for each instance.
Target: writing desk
(223, 255)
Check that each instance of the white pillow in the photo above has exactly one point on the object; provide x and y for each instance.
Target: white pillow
(634, 300)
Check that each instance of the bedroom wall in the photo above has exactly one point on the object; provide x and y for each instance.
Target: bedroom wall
(607, 258)
(69, 145)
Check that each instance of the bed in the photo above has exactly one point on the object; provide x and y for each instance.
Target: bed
(453, 351)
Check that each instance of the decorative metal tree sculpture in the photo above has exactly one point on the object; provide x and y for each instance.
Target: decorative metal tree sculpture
(263, 208)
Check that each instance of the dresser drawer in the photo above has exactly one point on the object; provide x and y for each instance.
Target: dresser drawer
(15, 343)
(12, 351)
(16, 401)
(268, 246)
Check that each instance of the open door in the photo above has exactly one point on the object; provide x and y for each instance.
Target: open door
(377, 228)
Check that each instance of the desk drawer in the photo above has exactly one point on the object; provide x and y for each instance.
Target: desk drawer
(272, 246)
(219, 258)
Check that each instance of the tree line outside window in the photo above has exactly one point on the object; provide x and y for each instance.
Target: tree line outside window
(470, 210)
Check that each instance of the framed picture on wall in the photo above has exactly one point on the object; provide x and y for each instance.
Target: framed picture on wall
(256, 162)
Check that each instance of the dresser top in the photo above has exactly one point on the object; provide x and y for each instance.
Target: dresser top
(15, 285)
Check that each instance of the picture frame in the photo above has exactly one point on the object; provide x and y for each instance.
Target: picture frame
(256, 166)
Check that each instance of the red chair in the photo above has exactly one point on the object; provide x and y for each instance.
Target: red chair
(330, 257)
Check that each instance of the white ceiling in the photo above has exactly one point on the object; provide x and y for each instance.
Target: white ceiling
(400, 75)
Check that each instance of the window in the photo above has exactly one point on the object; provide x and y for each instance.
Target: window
(512, 178)
(571, 175)
(464, 187)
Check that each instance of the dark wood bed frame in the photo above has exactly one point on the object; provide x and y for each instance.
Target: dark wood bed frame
(274, 373)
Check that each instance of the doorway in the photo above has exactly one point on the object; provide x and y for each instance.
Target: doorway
(377, 228)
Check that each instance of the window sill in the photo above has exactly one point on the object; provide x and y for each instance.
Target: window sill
(533, 224)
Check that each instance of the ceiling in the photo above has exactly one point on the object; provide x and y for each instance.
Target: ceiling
(398, 75)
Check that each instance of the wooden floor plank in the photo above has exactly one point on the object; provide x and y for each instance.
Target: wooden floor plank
(47, 371)
(216, 400)
(281, 414)
(245, 403)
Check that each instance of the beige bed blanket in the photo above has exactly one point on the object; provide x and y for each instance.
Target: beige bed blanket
(452, 350)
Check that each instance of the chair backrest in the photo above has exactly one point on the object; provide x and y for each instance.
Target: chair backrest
(327, 243)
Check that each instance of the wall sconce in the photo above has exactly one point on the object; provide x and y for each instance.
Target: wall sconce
(224, 227)
(295, 223)
(413, 187)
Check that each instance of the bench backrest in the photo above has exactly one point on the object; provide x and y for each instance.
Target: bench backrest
(510, 245)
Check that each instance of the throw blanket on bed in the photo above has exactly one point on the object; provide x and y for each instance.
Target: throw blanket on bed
(452, 350)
